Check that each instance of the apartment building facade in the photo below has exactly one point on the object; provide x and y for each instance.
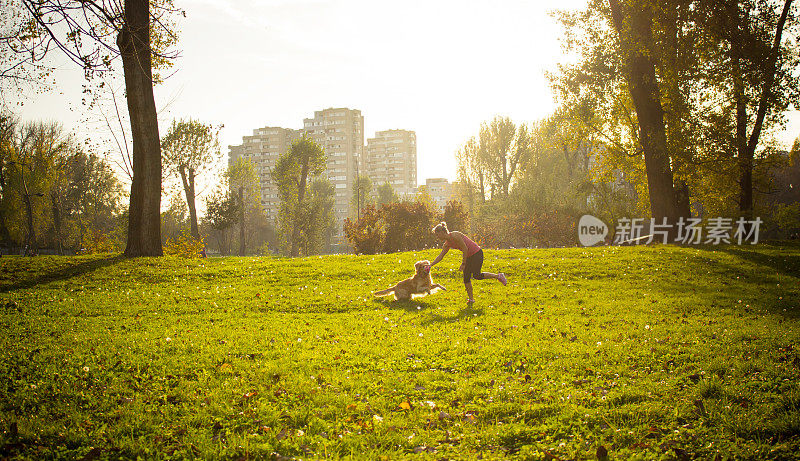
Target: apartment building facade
(264, 148)
(440, 190)
(391, 156)
(340, 132)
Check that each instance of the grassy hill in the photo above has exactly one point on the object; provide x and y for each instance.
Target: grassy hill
(643, 352)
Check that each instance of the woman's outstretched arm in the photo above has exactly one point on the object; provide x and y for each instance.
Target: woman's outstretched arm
(441, 255)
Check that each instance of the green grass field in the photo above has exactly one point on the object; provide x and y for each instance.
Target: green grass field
(644, 352)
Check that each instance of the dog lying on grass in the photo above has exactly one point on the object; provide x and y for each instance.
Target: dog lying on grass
(420, 284)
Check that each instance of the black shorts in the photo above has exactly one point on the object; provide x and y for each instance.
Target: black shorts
(472, 267)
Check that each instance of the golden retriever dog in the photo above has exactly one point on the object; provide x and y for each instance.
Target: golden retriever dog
(420, 284)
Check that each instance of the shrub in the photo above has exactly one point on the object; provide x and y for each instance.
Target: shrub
(408, 226)
(392, 227)
(185, 246)
(366, 235)
(97, 241)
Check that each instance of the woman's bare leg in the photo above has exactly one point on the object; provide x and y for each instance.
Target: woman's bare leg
(499, 277)
(468, 286)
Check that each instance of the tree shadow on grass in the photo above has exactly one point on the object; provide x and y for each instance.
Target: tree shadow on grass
(468, 311)
(62, 274)
(752, 275)
(784, 264)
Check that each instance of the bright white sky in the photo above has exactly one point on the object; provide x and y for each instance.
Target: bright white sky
(438, 67)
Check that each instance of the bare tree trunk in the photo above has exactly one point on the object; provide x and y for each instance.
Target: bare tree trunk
(636, 38)
(30, 238)
(144, 219)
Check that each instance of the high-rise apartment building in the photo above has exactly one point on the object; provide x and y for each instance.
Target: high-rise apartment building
(391, 156)
(440, 190)
(264, 148)
(340, 132)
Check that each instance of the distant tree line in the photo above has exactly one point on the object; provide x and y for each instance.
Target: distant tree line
(53, 194)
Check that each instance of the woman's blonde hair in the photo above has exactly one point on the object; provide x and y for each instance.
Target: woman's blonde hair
(442, 226)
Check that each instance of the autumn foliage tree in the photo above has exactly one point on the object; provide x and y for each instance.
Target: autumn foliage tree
(188, 150)
(293, 175)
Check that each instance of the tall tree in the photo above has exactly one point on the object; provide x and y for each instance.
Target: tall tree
(757, 59)
(246, 187)
(304, 159)
(633, 22)
(472, 170)
(222, 213)
(318, 220)
(189, 149)
(92, 33)
(497, 149)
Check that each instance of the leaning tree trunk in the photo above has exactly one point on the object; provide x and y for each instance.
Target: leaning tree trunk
(188, 188)
(636, 35)
(144, 217)
(747, 152)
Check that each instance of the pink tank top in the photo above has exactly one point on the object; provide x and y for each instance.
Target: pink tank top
(472, 247)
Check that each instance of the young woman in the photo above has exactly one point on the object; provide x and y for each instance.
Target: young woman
(472, 253)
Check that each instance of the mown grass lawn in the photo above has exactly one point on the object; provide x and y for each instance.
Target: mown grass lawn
(644, 352)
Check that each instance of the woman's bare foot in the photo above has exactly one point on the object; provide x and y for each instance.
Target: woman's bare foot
(501, 277)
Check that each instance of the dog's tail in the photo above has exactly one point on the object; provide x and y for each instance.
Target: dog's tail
(384, 292)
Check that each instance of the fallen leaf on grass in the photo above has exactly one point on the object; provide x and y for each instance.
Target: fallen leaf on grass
(405, 406)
